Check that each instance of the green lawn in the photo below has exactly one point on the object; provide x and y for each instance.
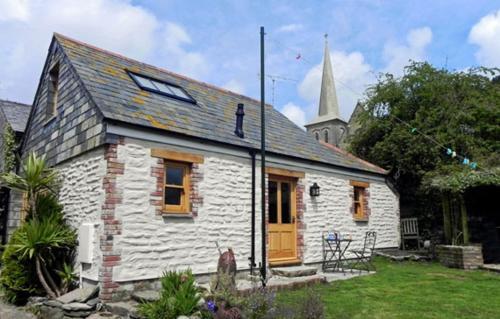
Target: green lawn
(410, 290)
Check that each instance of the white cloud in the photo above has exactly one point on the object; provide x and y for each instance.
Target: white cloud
(351, 75)
(294, 113)
(179, 59)
(290, 27)
(486, 34)
(397, 56)
(13, 10)
(116, 25)
(235, 86)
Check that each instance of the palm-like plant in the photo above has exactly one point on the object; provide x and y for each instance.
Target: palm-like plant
(38, 240)
(41, 237)
(36, 177)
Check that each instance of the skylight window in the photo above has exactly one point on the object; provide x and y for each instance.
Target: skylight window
(161, 87)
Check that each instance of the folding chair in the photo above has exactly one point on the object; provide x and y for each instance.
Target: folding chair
(364, 256)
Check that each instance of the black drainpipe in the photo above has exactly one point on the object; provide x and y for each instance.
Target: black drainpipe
(263, 265)
(252, 256)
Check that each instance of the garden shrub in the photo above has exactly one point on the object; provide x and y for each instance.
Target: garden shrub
(261, 304)
(18, 278)
(178, 296)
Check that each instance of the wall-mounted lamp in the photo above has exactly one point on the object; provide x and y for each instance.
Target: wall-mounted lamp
(314, 190)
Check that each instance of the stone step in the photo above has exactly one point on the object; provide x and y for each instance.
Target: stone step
(146, 295)
(294, 271)
(276, 283)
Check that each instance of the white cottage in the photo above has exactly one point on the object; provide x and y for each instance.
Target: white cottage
(151, 164)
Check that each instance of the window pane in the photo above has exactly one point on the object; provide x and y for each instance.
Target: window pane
(163, 87)
(273, 202)
(178, 92)
(145, 82)
(357, 191)
(286, 213)
(174, 175)
(173, 196)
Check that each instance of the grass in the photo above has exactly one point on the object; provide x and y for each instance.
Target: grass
(410, 290)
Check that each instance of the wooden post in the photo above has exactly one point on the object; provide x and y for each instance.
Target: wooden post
(463, 214)
(446, 218)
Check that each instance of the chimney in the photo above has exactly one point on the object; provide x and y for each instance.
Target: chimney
(239, 121)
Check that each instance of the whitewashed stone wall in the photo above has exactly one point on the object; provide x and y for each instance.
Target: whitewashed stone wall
(82, 195)
(332, 211)
(150, 244)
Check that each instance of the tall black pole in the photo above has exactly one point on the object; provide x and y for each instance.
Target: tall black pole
(263, 156)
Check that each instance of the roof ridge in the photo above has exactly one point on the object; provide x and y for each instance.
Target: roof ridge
(59, 35)
(14, 102)
(348, 154)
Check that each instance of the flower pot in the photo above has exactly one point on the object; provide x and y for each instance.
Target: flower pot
(464, 257)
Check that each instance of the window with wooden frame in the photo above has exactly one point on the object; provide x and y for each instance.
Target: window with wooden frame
(52, 92)
(176, 187)
(360, 205)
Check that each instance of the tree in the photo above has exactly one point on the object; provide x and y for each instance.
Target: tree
(410, 122)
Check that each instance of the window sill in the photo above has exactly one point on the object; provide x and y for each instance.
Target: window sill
(361, 220)
(167, 214)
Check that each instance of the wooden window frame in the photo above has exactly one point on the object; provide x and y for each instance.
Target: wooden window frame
(184, 207)
(185, 160)
(360, 187)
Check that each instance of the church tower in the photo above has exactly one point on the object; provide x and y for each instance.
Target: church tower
(328, 126)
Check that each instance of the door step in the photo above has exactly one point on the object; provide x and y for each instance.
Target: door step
(294, 271)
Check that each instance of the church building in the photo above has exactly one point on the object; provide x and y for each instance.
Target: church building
(329, 126)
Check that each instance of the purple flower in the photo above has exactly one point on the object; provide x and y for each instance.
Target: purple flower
(211, 306)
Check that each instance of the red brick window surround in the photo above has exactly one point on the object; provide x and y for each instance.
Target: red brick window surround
(360, 197)
(177, 175)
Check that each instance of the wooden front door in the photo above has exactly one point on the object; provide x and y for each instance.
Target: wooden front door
(282, 214)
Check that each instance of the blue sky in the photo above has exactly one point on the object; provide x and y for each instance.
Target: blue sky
(218, 41)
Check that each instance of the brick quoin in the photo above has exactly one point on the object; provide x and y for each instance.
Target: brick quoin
(301, 226)
(112, 226)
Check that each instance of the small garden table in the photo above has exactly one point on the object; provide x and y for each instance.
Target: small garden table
(333, 253)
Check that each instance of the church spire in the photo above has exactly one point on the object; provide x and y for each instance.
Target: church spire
(328, 104)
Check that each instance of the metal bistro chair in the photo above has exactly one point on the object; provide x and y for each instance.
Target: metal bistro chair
(409, 231)
(364, 256)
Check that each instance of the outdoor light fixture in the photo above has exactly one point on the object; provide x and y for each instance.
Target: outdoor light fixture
(314, 190)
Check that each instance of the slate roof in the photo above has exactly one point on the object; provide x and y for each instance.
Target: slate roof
(105, 76)
(16, 114)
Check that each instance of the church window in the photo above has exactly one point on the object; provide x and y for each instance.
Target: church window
(326, 136)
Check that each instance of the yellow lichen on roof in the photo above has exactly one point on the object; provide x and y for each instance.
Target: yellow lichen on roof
(158, 124)
(144, 93)
(115, 72)
(137, 99)
(135, 69)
